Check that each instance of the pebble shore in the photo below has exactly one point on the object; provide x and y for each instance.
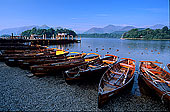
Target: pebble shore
(19, 92)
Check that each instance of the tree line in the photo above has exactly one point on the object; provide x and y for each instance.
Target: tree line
(105, 35)
(148, 33)
(49, 32)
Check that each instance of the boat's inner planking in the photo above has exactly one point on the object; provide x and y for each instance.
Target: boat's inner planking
(159, 77)
(116, 77)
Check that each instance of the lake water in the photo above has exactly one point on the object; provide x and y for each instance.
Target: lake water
(138, 50)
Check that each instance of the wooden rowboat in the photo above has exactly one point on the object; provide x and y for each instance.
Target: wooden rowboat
(20, 47)
(5, 54)
(156, 78)
(115, 80)
(54, 68)
(90, 70)
(168, 65)
(21, 53)
(25, 51)
(13, 61)
(13, 44)
(25, 64)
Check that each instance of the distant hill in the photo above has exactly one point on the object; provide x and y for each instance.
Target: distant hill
(19, 30)
(94, 30)
(43, 27)
(107, 29)
(157, 26)
(127, 28)
(16, 30)
(113, 28)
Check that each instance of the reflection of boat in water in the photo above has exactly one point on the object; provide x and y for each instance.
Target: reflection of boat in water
(156, 78)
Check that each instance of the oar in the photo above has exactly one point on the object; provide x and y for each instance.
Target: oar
(164, 81)
(126, 75)
(149, 75)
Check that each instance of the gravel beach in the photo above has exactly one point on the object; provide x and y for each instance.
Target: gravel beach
(19, 92)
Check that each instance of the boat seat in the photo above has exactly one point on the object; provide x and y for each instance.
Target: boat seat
(108, 61)
(105, 80)
(111, 85)
(116, 76)
(71, 57)
(157, 81)
(126, 65)
(92, 66)
(167, 81)
(155, 71)
(117, 73)
(107, 88)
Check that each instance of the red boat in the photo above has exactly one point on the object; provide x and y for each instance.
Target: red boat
(156, 78)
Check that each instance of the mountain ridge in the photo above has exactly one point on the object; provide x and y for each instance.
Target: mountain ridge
(19, 30)
(106, 29)
(113, 28)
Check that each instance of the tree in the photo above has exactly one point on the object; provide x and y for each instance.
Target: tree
(148, 33)
(165, 29)
(48, 32)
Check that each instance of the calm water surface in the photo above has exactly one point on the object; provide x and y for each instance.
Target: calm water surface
(136, 49)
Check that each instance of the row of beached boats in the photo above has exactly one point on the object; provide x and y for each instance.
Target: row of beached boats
(115, 77)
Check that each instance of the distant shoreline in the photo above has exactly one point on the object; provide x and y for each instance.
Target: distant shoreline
(141, 39)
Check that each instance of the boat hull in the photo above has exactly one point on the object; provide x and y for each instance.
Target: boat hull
(156, 91)
(104, 98)
(14, 61)
(52, 70)
(84, 75)
(168, 65)
(25, 64)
